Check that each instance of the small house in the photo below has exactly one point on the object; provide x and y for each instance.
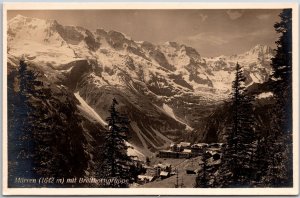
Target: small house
(192, 171)
(152, 172)
(164, 174)
(186, 153)
(142, 179)
(185, 145)
(198, 149)
(167, 154)
(163, 167)
(173, 147)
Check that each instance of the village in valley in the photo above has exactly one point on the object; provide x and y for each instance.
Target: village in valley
(179, 165)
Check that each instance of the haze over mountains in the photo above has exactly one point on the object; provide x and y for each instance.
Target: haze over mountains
(166, 90)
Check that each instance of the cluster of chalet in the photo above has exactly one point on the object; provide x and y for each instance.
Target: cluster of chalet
(182, 150)
(188, 150)
(158, 171)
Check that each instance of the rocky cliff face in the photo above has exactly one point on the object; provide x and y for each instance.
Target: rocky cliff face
(167, 90)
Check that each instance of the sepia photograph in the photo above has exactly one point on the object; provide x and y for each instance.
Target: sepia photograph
(150, 99)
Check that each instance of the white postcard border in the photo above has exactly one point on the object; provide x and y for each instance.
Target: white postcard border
(156, 191)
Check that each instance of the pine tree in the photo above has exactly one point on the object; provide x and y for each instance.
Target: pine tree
(203, 176)
(238, 167)
(21, 142)
(13, 126)
(282, 62)
(279, 140)
(44, 131)
(58, 134)
(116, 163)
(282, 66)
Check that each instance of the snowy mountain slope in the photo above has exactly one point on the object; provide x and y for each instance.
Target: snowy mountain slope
(256, 63)
(90, 111)
(36, 39)
(170, 112)
(100, 65)
(145, 118)
(84, 107)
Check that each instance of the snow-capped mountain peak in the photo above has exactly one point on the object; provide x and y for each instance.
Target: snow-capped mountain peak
(264, 49)
(50, 43)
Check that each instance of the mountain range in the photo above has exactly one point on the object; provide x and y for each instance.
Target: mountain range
(167, 90)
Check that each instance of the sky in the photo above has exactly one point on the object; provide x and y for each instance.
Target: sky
(211, 32)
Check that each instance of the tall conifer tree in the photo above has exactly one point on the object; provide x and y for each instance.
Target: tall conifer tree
(279, 140)
(202, 178)
(20, 137)
(116, 162)
(43, 130)
(282, 66)
(237, 166)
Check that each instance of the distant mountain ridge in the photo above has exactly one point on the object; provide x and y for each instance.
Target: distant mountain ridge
(55, 45)
(165, 89)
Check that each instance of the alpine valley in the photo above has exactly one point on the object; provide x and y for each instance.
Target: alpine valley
(169, 91)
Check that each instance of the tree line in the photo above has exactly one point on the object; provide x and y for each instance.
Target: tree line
(252, 158)
(46, 135)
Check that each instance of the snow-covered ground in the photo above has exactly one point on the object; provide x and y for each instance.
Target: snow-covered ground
(264, 95)
(89, 110)
(133, 151)
(145, 140)
(169, 111)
